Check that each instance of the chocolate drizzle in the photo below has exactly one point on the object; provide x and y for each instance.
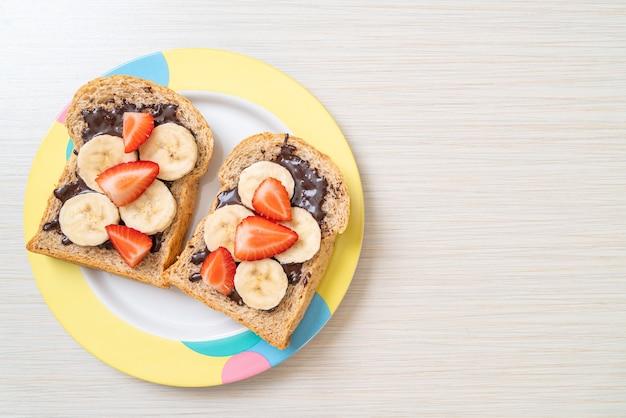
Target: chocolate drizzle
(310, 186)
(64, 193)
(228, 197)
(69, 190)
(52, 225)
(293, 272)
(199, 257)
(101, 121)
(157, 239)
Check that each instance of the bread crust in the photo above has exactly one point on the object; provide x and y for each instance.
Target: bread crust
(108, 93)
(277, 325)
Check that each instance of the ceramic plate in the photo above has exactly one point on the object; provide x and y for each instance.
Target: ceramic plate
(162, 335)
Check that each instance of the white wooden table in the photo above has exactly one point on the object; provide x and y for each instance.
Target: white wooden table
(491, 141)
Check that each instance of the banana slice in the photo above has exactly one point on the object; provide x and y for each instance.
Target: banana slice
(261, 284)
(252, 176)
(98, 154)
(83, 217)
(309, 237)
(220, 226)
(153, 211)
(173, 148)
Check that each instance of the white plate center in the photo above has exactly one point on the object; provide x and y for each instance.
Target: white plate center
(169, 313)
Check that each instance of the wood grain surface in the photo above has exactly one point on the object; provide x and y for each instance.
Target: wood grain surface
(491, 141)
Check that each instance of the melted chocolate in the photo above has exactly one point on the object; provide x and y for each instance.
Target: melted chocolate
(199, 257)
(106, 245)
(293, 272)
(156, 242)
(234, 296)
(69, 190)
(100, 121)
(310, 187)
(228, 197)
(64, 193)
(52, 225)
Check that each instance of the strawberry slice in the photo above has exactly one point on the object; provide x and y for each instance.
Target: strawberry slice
(125, 182)
(136, 128)
(218, 271)
(257, 238)
(271, 200)
(132, 245)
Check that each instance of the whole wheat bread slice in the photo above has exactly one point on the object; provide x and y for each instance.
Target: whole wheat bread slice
(276, 325)
(125, 92)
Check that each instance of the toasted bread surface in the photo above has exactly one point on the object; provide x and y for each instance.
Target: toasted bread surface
(108, 94)
(275, 325)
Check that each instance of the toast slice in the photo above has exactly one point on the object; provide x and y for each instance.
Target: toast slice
(314, 174)
(97, 108)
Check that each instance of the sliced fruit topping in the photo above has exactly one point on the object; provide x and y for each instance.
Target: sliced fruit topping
(174, 148)
(252, 176)
(125, 182)
(136, 128)
(257, 238)
(309, 237)
(84, 217)
(132, 245)
(98, 154)
(271, 200)
(151, 212)
(218, 271)
(261, 284)
(220, 227)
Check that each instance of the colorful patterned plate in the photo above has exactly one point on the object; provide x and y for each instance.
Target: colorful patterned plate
(161, 335)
